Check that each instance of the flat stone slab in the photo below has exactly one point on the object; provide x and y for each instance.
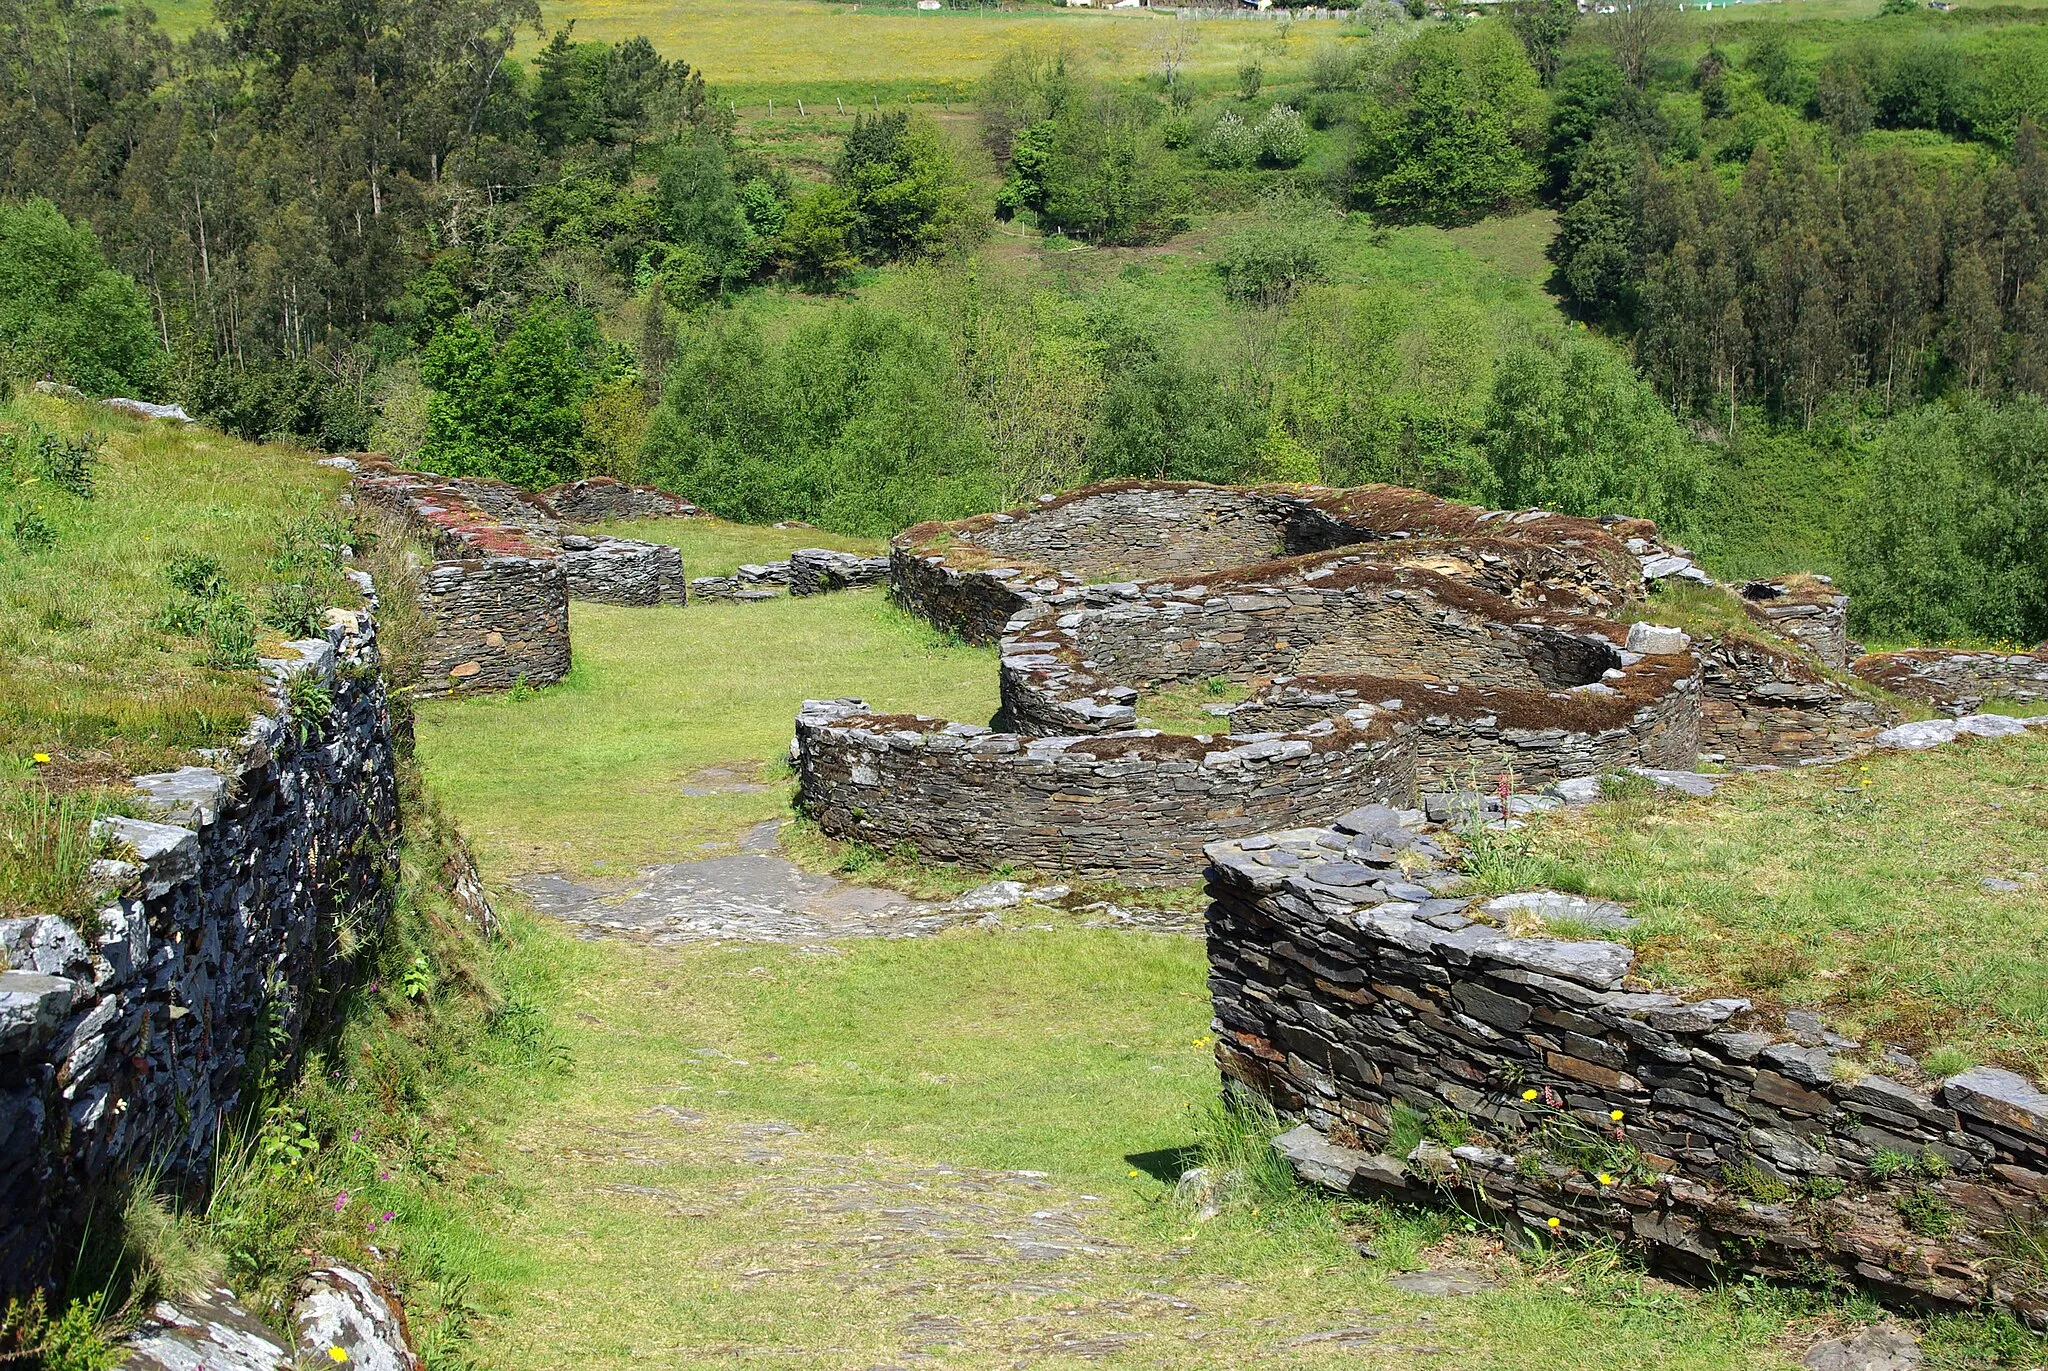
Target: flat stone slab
(1881, 1347)
(1554, 906)
(1444, 1284)
(760, 896)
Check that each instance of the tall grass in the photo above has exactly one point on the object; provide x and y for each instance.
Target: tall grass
(47, 849)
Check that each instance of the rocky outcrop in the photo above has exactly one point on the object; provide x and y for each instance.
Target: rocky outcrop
(127, 1042)
(1554, 1091)
(340, 1316)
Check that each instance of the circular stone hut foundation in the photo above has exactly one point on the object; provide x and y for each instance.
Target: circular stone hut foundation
(1378, 636)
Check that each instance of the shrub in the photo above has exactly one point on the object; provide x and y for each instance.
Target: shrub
(1231, 142)
(65, 312)
(293, 610)
(1282, 137)
(229, 635)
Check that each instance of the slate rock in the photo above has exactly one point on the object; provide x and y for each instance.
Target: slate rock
(339, 1306)
(1881, 1347)
(1319, 1161)
(1445, 1284)
(206, 1332)
(2001, 1097)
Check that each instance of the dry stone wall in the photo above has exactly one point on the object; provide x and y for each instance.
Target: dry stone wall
(125, 1043)
(1136, 806)
(1808, 610)
(1957, 681)
(1073, 783)
(602, 500)
(1764, 705)
(1349, 978)
(622, 571)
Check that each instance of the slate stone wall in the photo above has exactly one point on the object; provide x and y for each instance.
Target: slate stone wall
(497, 592)
(127, 1043)
(1765, 705)
(974, 603)
(1130, 531)
(820, 571)
(1956, 681)
(600, 500)
(622, 571)
(1806, 609)
(497, 620)
(1137, 806)
(1692, 1130)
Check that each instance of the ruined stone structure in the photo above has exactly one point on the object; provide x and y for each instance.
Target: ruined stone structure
(1808, 610)
(497, 592)
(820, 571)
(1349, 980)
(602, 500)
(1956, 681)
(126, 1043)
(1386, 633)
(1764, 704)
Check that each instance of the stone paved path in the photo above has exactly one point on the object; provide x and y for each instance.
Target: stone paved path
(759, 895)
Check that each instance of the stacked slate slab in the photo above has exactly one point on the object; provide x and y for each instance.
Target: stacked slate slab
(126, 1041)
(1355, 987)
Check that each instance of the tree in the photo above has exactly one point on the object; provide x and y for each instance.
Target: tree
(1544, 26)
(510, 411)
(905, 186)
(1950, 538)
(1634, 30)
(1598, 248)
(819, 235)
(1570, 427)
(1446, 142)
(64, 312)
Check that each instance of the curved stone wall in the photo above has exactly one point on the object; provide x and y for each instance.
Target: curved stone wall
(1136, 806)
(970, 576)
(1956, 681)
(1378, 627)
(1693, 1130)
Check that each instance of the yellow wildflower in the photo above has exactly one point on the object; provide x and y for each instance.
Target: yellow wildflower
(336, 1354)
(1604, 1178)
(1554, 1222)
(1616, 1116)
(42, 759)
(1528, 1094)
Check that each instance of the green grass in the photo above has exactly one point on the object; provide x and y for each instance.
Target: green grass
(1184, 709)
(1853, 889)
(587, 776)
(713, 547)
(619, 1235)
(85, 676)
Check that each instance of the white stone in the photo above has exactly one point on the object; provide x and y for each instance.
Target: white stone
(1657, 640)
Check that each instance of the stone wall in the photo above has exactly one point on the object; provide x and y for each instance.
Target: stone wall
(820, 571)
(1345, 983)
(497, 593)
(1957, 681)
(126, 1044)
(622, 571)
(1766, 705)
(1806, 609)
(1137, 806)
(601, 500)
(1377, 598)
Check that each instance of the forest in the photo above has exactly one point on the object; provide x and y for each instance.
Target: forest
(1782, 281)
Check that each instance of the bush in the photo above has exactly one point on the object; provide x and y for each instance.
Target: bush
(1950, 539)
(64, 312)
(512, 411)
(1282, 137)
(1231, 142)
(1267, 264)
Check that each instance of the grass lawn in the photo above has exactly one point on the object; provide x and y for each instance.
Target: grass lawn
(587, 776)
(1854, 889)
(813, 1161)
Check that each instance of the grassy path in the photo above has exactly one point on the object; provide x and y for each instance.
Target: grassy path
(950, 1151)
